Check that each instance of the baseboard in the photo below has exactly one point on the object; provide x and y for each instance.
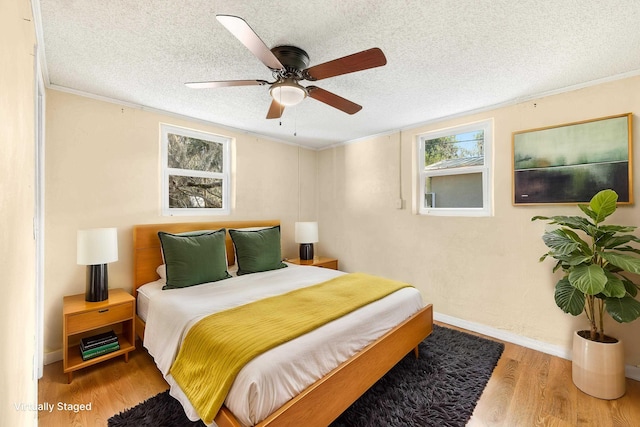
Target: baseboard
(52, 357)
(631, 371)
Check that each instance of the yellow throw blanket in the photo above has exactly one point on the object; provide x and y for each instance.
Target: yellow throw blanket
(218, 346)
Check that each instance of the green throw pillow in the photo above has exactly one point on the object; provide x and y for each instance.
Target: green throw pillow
(194, 258)
(257, 250)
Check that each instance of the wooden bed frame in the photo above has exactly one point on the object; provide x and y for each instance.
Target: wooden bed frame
(323, 401)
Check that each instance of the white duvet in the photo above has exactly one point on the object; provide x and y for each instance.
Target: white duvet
(273, 378)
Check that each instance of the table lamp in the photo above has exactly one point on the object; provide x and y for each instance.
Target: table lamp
(96, 248)
(306, 235)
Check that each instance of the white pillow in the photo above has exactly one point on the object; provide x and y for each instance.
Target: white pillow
(252, 228)
(162, 271)
(233, 269)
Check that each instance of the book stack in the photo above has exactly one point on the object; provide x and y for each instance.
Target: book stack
(98, 345)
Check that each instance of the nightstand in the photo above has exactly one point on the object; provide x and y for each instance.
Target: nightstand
(320, 261)
(82, 319)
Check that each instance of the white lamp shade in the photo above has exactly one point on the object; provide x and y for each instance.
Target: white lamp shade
(97, 246)
(306, 232)
(288, 95)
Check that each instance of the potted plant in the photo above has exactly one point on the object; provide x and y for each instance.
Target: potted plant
(595, 259)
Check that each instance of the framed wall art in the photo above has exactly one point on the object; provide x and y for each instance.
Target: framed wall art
(570, 163)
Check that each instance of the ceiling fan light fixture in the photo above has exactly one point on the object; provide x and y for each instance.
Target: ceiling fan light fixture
(288, 93)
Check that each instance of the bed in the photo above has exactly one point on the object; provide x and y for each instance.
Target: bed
(327, 397)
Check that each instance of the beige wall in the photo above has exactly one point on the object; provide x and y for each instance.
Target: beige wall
(103, 170)
(17, 250)
(482, 270)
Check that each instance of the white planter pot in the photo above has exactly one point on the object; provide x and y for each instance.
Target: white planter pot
(598, 368)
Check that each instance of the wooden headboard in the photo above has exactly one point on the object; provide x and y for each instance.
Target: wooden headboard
(147, 253)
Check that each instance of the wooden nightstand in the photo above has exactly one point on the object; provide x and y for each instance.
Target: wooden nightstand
(320, 261)
(82, 319)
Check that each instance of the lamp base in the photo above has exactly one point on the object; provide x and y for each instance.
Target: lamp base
(97, 283)
(306, 251)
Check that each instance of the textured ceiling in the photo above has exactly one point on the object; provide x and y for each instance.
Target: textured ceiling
(444, 57)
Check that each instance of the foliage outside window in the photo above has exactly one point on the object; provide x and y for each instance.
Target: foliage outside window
(195, 178)
(454, 171)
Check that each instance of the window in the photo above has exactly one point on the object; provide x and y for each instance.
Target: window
(195, 172)
(454, 171)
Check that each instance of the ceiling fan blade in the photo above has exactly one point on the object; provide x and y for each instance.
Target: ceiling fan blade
(333, 100)
(364, 60)
(275, 110)
(243, 32)
(225, 83)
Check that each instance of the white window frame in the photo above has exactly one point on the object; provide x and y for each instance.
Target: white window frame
(485, 170)
(165, 130)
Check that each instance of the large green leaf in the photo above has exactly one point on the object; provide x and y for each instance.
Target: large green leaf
(614, 286)
(628, 249)
(632, 288)
(574, 222)
(625, 262)
(576, 259)
(591, 214)
(574, 236)
(623, 310)
(618, 228)
(560, 242)
(603, 204)
(568, 298)
(611, 241)
(588, 279)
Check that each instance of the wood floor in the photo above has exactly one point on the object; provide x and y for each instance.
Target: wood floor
(527, 388)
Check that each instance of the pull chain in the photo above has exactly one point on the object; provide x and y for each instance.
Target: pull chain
(280, 106)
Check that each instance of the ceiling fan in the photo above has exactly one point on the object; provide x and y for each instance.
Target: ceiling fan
(289, 65)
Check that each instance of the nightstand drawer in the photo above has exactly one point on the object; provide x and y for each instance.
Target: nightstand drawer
(99, 317)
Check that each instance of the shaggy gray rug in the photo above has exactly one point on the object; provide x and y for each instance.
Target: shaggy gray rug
(441, 388)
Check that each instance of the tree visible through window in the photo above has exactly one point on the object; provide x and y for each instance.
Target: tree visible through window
(460, 146)
(195, 172)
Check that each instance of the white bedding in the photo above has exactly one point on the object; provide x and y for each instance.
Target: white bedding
(270, 380)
